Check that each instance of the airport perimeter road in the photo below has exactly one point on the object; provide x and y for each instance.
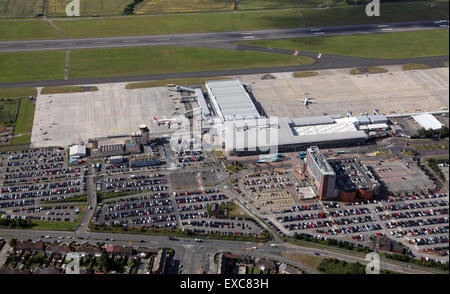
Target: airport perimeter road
(201, 39)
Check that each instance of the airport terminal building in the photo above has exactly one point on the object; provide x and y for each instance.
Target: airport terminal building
(245, 130)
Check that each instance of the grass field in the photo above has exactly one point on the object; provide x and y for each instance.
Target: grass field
(311, 261)
(389, 45)
(27, 30)
(248, 20)
(24, 122)
(66, 89)
(274, 4)
(154, 60)
(21, 8)
(336, 266)
(415, 66)
(8, 111)
(116, 7)
(168, 6)
(304, 74)
(32, 66)
(17, 92)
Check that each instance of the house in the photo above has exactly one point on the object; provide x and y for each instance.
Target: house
(29, 245)
(119, 250)
(159, 262)
(88, 250)
(285, 269)
(62, 250)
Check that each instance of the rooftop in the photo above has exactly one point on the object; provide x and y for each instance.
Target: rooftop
(231, 100)
(279, 131)
(322, 163)
(428, 121)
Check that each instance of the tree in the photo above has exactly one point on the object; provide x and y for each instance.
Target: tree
(13, 242)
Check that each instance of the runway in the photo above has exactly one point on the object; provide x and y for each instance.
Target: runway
(203, 39)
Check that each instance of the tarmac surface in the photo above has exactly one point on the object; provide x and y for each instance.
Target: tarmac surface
(205, 38)
(225, 40)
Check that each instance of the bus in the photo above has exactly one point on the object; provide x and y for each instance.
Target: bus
(302, 155)
(340, 152)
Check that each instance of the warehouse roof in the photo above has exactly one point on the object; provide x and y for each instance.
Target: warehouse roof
(363, 120)
(377, 118)
(78, 150)
(428, 121)
(231, 100)
(315, 120)
(267, 132)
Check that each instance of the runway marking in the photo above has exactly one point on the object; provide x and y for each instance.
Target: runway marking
(319, 33)
(249, 37)
(388, 29)
(247, 33)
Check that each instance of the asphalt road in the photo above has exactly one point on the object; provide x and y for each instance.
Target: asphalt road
(200, 39)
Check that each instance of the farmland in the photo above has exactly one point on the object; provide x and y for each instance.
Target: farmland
(21, 8)
(116, 7)
(167, 6)
(88, 7)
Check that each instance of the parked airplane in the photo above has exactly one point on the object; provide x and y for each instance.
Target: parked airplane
(166, 121)
(307, 101)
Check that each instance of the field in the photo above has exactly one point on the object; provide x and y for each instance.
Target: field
(167, 6)
(154, 60)
(311, 261)
(17, 92)
(21, 8)
(389, 45)
(31, 66)
(116, 7)
(248, 20)
(88, 7)
(67, 89)
(27, 30)
(274, 4)
(24, 122)
(8, 110)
